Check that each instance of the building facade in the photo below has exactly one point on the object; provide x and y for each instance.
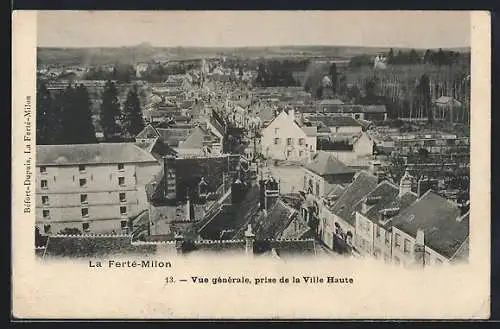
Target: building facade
(91, 187)
(284, 139)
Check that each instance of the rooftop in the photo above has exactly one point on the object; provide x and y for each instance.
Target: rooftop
(438, 217)
(355, 192)
(325, 164)
(338, 121)
(101, 153)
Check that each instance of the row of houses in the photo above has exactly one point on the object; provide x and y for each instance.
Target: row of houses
(364, 214)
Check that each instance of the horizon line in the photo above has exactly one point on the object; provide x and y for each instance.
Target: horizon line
(139, 45)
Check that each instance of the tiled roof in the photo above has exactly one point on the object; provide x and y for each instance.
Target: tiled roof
(103, 153)
(356, 191)
(326, 164)
(438, 218)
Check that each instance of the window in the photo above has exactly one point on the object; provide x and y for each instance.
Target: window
(406, 246)
(81, 168)
(44, 184)
(83, 182)
(123, 210)
(288, 153)
(317, 189)
(85, 212)
(46, 229)
(123, 224)
(46, 213)
(377, 231)
(397, 240)
(123, 197)
(86, 227)
(276, 131)
(121, 167)
(83, 198)
(288, 141)
(45, 200)
(121, 181)
(43, 170)
(377, 253)
(276, 141)
(302, 141)
(301, 153)
(396, 260)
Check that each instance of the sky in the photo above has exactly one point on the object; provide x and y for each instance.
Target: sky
(412, 29)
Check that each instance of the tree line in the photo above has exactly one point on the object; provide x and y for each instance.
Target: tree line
(277, 73)
(66, 117)
(438, 57)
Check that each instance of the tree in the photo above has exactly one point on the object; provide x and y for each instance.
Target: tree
(427, 56)
(133, 121)
(390, 56)
(413, 57)
(370, 88)
(333, 76)
(110, 113)
(76, 118)
(319, 92)
(424, 97)
(47, 120)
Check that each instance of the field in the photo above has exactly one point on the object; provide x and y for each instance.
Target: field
(147, 53)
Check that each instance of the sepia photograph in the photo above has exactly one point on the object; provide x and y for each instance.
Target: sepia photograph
(156, 138)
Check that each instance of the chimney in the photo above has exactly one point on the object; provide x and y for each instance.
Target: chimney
(405, 183)
(249, 240)
(179, 240)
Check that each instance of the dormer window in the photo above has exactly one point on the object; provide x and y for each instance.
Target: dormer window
(81, 168)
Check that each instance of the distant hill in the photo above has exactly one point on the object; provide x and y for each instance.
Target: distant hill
(146, 53)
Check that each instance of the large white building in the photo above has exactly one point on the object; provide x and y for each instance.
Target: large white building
(91, 187)
(284, 139)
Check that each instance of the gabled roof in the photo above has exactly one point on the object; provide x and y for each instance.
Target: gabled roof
(356, 191)
(438, 218)
(276, 221)
(103, 153)
(386, 196)
(324, 164)
(173, 136)
(197, 139)
(334, 189)
(149, 132)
